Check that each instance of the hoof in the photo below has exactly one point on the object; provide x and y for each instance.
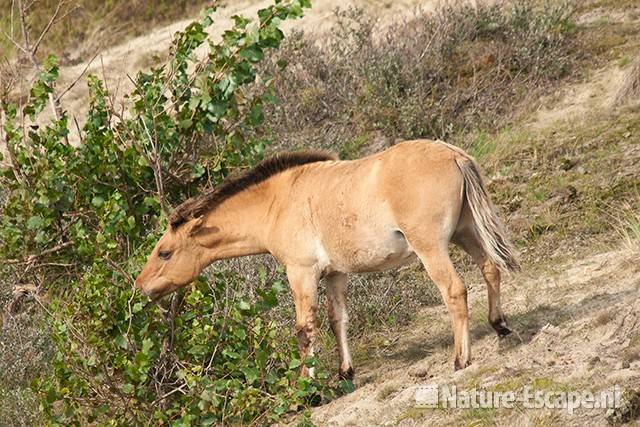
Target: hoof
(457, 364)
(500, 326)
(314, 400)
(346, 375)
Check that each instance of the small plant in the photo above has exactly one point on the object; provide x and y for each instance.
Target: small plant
(630, 87)
(626, 221)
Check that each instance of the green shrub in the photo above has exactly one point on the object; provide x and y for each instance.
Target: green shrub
(77, 223)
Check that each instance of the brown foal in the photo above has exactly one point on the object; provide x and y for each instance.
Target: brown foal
(323, 218)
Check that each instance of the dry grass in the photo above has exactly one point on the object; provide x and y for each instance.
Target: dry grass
(630, 87)
(88, 25)
(25, 351)
(433, 75)
(626, 222)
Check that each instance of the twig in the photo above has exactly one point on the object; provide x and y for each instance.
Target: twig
(34, 49)
(133, 294)
(119, 269)
(31, 258)
(15, 43)
(178, 389)
(30, 51)
(25, 32)
(75, 120)
(77, 79)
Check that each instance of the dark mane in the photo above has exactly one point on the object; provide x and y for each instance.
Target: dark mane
(198, 206)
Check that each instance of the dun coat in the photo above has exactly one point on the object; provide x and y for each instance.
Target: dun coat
(323, 218)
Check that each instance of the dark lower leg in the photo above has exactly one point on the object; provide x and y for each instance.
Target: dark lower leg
(497, 319)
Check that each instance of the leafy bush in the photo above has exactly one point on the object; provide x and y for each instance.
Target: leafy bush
(434, 75)
(78, 222)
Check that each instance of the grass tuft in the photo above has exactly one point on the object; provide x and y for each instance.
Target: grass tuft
(630, 87)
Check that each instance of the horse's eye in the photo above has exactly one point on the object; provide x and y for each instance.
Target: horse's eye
(165, 255)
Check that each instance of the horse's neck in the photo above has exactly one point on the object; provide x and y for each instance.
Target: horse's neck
(242, 222)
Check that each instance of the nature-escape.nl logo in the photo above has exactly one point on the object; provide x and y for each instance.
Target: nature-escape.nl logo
(445, 396)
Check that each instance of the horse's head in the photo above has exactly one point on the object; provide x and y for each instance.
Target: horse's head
(176, 261)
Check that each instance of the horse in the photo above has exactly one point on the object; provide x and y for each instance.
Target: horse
(325, 218)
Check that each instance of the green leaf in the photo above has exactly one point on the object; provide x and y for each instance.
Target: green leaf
(295, 363)
(255, 115)
(35, 222)
(347, 386)
(137, 307)
(252, 53)
(197, 171)
(241, 334)
(97, 201)
(250, 374)
(122, 342)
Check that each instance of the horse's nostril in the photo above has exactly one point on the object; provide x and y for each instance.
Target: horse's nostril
(138, 285)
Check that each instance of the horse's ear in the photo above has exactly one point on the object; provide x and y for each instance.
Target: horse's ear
(195, 225)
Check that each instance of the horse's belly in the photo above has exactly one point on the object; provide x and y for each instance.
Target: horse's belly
(392, 260)
(373, 253)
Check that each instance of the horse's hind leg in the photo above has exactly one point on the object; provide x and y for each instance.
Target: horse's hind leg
(468, 239)
(436, 261)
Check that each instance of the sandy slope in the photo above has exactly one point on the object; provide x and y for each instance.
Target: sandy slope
(572, 329)
(116, 64)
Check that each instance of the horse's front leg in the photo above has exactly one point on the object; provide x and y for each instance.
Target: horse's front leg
(339, 320)
(304, 286)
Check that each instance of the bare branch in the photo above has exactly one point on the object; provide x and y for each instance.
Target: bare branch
(31, 258)
(15, 43)
(25, 32)
(75, 120)
(77, 79)
(154, 162)
(119, 269)
(47, 27)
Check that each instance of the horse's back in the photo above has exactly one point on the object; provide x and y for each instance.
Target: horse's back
(357, 213)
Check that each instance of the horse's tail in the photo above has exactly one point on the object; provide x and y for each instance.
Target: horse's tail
(490, 229)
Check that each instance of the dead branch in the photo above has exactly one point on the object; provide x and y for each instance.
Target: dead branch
(31, 258)
(119, 269)
(46, 29)
(77, 79)
(29, 50)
